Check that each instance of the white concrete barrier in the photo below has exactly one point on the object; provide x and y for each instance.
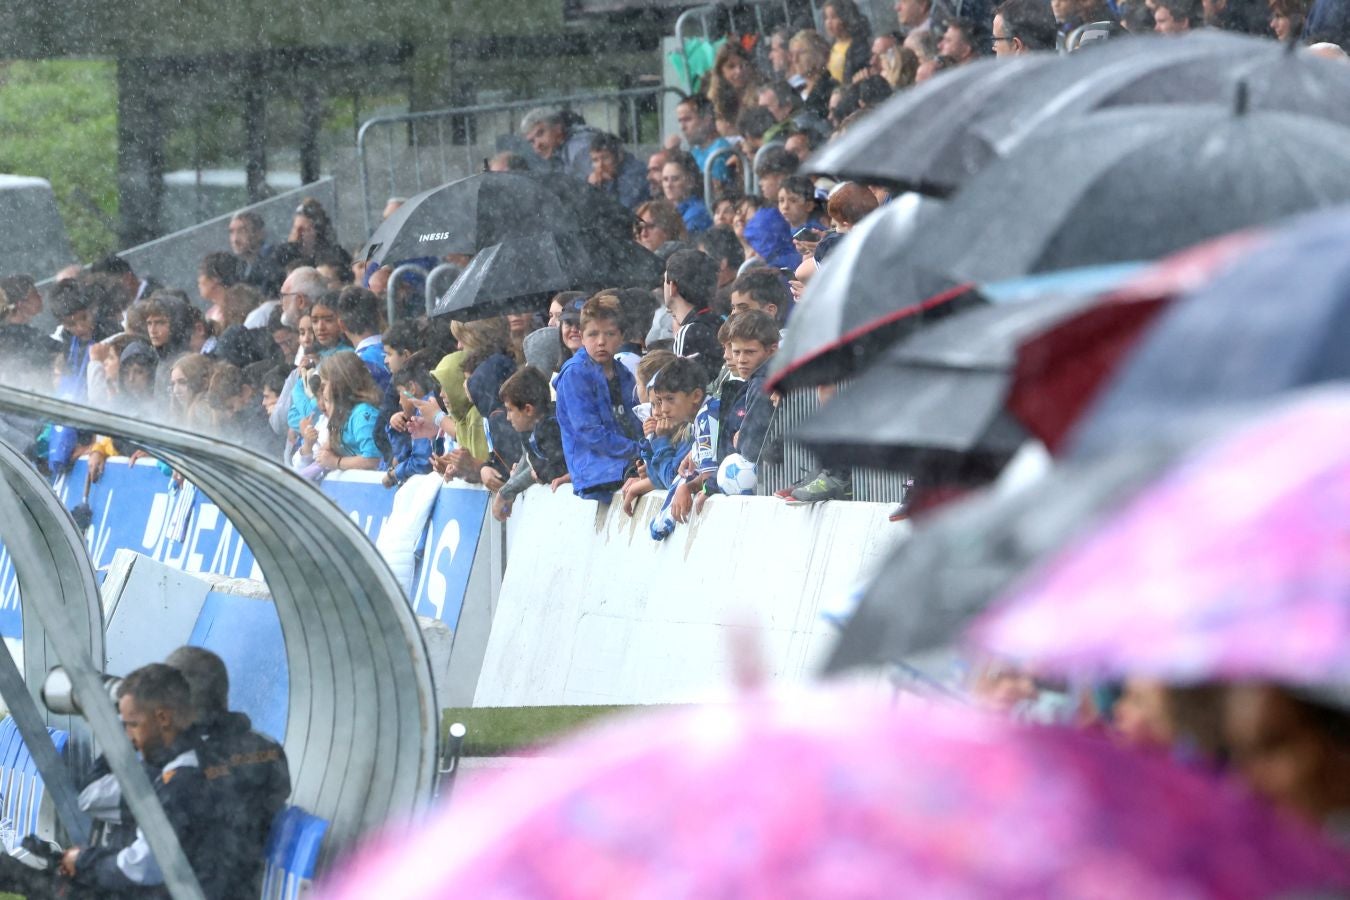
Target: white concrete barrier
(593, 611)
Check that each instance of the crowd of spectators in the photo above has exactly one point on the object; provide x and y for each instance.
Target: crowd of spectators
(283, 345)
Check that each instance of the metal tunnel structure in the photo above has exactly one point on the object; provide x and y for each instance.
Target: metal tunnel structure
(362, 730)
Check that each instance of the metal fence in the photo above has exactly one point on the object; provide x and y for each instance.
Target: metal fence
(794, 462)
(411, 152)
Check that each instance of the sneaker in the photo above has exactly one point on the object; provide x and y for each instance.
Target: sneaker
(826, 486)
(786, 493)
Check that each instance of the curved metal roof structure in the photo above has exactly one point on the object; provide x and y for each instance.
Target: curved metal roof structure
(70, 576)
(362, 730)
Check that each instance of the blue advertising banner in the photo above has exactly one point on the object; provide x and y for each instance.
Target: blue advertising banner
(139, 508)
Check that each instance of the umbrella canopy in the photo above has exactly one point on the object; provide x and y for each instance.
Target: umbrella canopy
(1135, 184)
(935, 137)
(915, 141)
(939, 392)
(870, 292)
(1275, 320)
(521, 273)
(1232, 565)
(829, 794)
(472, 213)
(1060, 371)
(933, 585)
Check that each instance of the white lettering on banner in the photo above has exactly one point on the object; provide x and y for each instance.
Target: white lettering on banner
(208, 514)
(155, 522)
(9, 583)
(436, 566)
(370, 525)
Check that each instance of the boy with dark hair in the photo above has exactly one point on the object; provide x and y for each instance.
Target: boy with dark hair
(408, 455)
(529, 409)
(595, 399)
(753, 337)
(677, 393)
(763, 290)
(358, 312)
(690, 287)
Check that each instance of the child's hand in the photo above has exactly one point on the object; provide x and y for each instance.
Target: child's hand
(325, 457)
(633, 491)
(649, 426)
(501, 508)
(465, 465)
(398, 421)
(699, 500)
(427, 408)
(683, 503)
(666, 426)
(687, 467)
(560, 481)
(389, 479)
(492, 479)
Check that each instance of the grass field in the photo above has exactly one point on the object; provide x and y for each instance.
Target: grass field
(507, 730)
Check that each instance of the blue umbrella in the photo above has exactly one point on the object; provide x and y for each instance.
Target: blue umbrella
(1277, 320)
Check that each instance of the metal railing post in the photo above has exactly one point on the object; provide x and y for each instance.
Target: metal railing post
(391, 289)
(747, 176)
(433, 277)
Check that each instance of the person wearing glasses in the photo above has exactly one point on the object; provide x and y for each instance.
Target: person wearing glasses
(1022, 26)
(658, 222)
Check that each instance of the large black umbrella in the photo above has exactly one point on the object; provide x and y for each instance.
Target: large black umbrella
(871, 291)
(1277, 320)
(466, 215)
(956, 562)
(906, 144)
(520, 274)
(937, 394)
(937, 136)
(1136, 184)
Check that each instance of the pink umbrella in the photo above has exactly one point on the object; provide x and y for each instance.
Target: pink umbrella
(837, 795)
(1235, 564)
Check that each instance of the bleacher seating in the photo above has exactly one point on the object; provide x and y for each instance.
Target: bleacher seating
(21, 788)
(292, 854)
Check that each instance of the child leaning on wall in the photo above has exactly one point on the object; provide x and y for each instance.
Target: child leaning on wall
(595, 400)
(528, 401)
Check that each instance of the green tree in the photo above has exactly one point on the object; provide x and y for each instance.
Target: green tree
(58, 120)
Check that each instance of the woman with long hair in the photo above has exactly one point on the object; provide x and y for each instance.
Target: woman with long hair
(810, 61)
(733, 83)
(851, 36)
(189, 378)
(313, 238)
(658, 222)
(351, 401)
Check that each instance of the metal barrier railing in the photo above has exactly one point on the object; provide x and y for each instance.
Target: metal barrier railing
(747, 173)
(707, 15)
(874, 485)
(440, 130)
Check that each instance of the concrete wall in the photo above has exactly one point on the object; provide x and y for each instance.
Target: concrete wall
(593, 611)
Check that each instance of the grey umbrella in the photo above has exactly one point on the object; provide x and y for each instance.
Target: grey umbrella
(871, 291)
(958, 561)
(520, 273)
(936, 394)
(935, 137)
(1136, 184)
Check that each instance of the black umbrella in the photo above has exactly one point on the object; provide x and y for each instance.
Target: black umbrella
(935, 137)
(466, 215)
(905, 143)
(937, 394)
(870, 292)
(956, 562)
(1136, 184)
(521, 273)
(1277, 320)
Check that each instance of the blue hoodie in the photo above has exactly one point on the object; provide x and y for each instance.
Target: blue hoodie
(596, 432)
(769, 234)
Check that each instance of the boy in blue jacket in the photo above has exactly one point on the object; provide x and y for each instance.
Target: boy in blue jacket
(595, 400)
(677, 394)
